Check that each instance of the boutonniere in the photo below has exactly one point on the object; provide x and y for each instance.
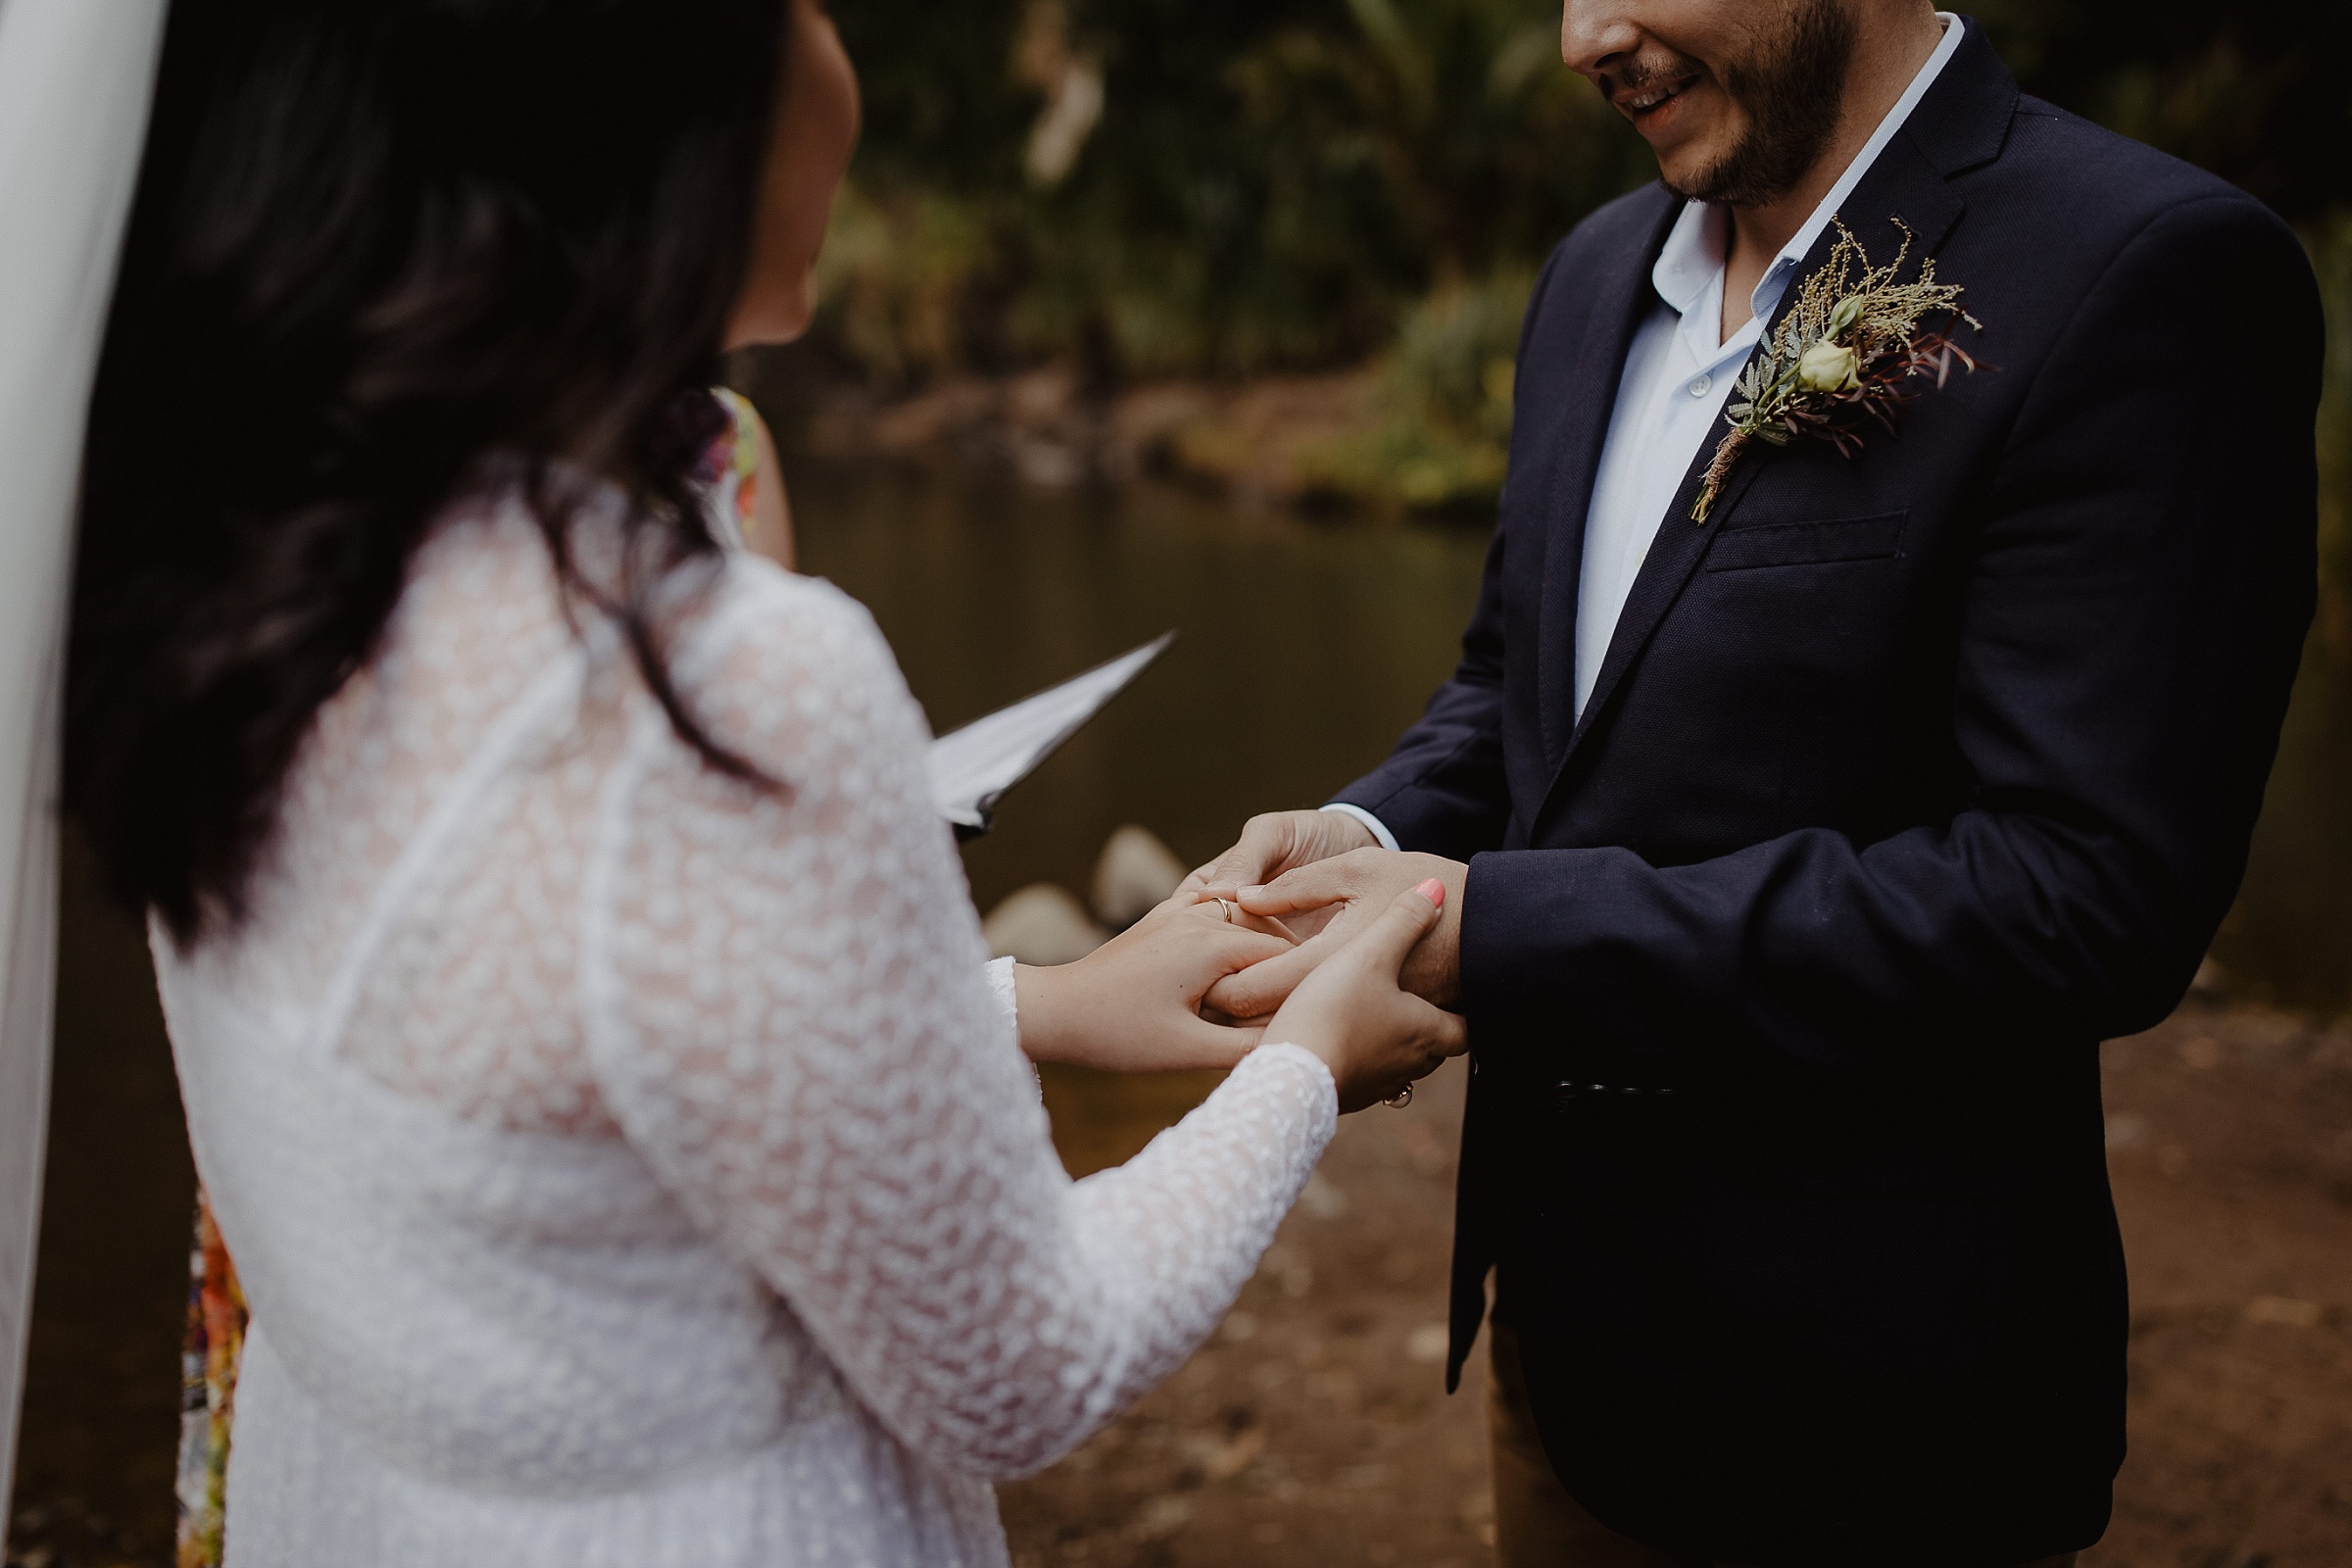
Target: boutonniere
(1841, 358)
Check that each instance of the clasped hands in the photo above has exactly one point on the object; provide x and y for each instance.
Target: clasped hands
(1305, 931)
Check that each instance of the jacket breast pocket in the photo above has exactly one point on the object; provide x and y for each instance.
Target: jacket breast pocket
(1808, 544)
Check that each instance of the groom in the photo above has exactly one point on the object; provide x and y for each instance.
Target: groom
(1802, 856)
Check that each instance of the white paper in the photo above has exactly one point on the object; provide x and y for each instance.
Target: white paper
(973, 767)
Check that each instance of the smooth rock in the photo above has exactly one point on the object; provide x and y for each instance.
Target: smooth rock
(1134, 876)
(2212, 981)
(1323, 1199)
(2285, 1311)
(1428, 1342)
(1042, 924)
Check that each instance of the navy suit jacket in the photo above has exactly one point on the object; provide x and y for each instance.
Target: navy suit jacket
(1907, 781)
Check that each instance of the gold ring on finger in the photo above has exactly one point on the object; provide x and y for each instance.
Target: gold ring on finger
(1225, 909)
(1400, 1098)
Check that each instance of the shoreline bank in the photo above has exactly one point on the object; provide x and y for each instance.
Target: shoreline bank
(1331, 443)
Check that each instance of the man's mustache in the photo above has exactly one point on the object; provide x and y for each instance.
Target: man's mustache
(1646, 72)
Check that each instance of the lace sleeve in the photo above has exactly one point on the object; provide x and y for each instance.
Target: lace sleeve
(789, 1017)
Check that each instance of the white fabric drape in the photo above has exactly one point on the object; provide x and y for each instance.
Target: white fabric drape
(74, 80)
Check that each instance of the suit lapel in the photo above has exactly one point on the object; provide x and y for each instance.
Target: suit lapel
(1621, 298)
(1960, 123)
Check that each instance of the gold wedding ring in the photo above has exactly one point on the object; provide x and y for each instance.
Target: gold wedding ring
(1225, 909)
(1400, 1098)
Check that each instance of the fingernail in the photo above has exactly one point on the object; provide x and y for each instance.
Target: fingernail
(1433, 891)
(1256, 892)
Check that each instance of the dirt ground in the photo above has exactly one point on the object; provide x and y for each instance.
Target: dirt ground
(1316, 1425)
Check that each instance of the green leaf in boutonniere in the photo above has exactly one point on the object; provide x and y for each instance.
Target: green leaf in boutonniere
(1841, 358)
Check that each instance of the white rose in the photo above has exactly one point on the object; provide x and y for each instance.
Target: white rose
(1829, 367)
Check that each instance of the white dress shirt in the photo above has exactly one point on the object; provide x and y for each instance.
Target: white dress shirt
(1678, 375)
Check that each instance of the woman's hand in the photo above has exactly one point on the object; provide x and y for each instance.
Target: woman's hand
(1375, 1035)
(1327, 904)
(1133, 1003)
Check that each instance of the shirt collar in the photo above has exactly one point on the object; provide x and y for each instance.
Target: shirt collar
(1690, 269)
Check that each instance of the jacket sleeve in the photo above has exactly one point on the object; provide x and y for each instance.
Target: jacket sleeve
(2142, 579)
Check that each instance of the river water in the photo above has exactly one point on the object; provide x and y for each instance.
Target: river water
(1306, 648)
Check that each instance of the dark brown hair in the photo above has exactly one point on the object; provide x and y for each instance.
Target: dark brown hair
(375, 243)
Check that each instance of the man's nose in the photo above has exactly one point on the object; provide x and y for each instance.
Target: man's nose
(1596, 32)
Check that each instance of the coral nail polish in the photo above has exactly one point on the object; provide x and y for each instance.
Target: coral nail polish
(1433, 891)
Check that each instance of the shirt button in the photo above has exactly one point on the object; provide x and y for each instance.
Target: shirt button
(1701, 386)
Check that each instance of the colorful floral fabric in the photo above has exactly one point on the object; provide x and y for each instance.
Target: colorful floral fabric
(731, 467)
(209, 1355)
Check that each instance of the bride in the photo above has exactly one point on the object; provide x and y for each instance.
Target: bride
(588, 1045)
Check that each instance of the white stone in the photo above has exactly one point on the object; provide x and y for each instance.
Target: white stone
(1134, 876)
(1042, 924)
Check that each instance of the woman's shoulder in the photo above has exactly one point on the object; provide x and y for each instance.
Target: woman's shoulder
(760, 653)
(755, 606)
(769, 649)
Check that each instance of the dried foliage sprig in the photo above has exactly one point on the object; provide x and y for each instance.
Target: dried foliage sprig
(1843, 357)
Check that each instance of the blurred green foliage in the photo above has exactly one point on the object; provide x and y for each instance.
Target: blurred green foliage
(1291, 184)
(1272, 185)
(1446, 397)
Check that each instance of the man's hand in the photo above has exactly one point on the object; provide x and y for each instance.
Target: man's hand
(1279, 842)
(1349, 891)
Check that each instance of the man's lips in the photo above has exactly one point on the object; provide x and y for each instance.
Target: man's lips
(1651, 101)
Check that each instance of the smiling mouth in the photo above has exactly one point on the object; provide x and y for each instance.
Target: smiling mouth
(1640, 106)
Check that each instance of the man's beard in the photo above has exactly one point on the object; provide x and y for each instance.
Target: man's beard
(1792, 87)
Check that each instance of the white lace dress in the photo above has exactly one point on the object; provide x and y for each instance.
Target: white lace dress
(627, 1167)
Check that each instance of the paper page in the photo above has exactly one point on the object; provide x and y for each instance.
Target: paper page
(972, 767)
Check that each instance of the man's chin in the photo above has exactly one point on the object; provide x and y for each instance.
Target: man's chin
(1692, 164)
(1690, 178)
